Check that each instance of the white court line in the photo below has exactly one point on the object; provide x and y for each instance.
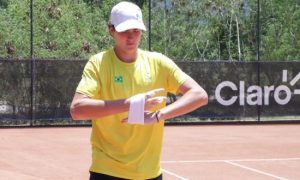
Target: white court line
(255, 170)
(232, 160)
(173, 174)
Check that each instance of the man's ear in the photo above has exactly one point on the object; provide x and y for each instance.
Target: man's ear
(111, 29)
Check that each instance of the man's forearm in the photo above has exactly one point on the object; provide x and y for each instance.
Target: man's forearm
(191, 100)
(86, 108)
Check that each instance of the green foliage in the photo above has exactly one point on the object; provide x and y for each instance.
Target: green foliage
(225, 30)
(61, 29)
(3, 4)
(182, 29)
(280, 30)
(69, 29)
(204, 30)
(15, 29)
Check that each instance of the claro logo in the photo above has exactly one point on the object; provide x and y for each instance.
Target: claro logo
(256, 95)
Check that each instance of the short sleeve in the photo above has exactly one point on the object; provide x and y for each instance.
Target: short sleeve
(90, 83)
(175, 76)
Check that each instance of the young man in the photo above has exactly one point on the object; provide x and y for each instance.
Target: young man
(123, 90)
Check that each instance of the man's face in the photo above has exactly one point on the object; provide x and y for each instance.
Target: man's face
(127, 40)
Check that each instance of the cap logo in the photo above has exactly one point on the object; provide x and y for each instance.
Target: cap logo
(137, 16)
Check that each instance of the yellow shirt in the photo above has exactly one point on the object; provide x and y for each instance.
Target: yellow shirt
(126, 150)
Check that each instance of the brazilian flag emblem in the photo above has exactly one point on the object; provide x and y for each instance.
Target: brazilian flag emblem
(118, 79)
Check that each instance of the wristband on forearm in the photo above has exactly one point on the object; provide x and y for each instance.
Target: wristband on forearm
(136, 109)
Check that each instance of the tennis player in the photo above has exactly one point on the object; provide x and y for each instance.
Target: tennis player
(123, 91)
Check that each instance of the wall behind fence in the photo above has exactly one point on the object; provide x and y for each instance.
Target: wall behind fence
(238, 91)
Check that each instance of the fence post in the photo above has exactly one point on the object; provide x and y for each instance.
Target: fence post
(258, 54)
(149, 25)
(32, 79)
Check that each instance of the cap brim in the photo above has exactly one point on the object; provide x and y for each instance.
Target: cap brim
(130, 24)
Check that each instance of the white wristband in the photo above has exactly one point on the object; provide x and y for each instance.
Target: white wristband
(136, 109)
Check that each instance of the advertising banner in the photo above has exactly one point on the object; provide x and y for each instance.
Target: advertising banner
(248, 90)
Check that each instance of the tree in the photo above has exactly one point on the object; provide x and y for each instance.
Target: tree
(280, 30)
(203, 30)
(3, 4)
(14, 30)
(182, 29)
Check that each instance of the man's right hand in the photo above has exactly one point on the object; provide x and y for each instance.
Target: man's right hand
(151, 101)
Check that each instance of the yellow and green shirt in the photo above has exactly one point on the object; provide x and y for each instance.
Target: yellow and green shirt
(126, 150)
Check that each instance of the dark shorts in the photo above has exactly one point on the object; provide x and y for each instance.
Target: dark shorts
(98, 176)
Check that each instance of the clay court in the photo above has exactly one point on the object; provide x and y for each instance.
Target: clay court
(189, 152)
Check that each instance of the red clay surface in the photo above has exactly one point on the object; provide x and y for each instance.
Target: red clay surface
(189, 152)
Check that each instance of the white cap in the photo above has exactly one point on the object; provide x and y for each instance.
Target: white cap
(126, 15)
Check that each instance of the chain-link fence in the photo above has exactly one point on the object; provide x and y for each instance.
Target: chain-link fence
(45, 43)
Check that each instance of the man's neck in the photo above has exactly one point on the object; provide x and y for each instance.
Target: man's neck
(126, 56)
